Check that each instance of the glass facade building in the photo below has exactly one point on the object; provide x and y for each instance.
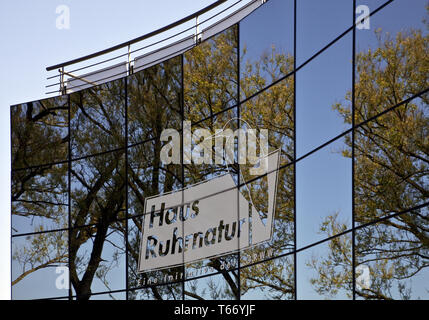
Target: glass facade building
(345, 102)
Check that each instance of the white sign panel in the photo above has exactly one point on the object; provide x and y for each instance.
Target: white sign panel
(209, 219)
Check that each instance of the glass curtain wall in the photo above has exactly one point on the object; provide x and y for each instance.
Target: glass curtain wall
(345, 104)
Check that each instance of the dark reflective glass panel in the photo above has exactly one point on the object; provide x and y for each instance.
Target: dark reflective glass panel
(39, 132)
(98, 189)
(391, 162)
(372, 5)
(218, 225)
(268, 121)
(219, 287)
(392, 258)
(154, 100)
(271, 110)
(324, 192)
(271, 220)
(266, 53)
(40, 266)
(323, 91)
(270, 280)
(157, 293)
(153, 285)
(97, 119)
(325, 271)
(225, 265)
(97, 259)
(211, 75)
(205, 145)
(391, 57)
(40, 199)
(390, 173)
(318, 23)
(110, 296)
(148, 175)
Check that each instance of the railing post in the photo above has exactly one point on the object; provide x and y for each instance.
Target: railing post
(63, 89)
(197, 31)
(130, 65)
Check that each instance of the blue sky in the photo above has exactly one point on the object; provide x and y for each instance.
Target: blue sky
(31, 42)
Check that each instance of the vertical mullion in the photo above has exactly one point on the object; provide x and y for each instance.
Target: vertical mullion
(11, 216)
(182, 116)
(69, 190)
(126, 188)
(294, 150)
(238, 164)
(353, 151)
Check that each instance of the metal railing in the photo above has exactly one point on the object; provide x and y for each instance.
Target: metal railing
(126, 65)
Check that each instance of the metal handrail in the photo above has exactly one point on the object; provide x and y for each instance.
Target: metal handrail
(138, 39)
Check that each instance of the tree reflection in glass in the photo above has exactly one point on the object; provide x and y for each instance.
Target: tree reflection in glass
(391, 170)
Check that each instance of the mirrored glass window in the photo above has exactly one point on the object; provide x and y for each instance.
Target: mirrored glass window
(98, 189)
(372, 5)
(268, 121)
(391, 162)
(324, 193)
(219, 287)
(323, 91)
(272, 280)
(391, 57)
(40, 261)
(157, 293)
(143, 244)
(210, 73)
(40, 199)
(266, 53)
(324, 272)
(154, 101)
(97, 259)
(213, 221)
(39, 131)
(318, 23)
(392, 258)
(97, 119)
(148, 175)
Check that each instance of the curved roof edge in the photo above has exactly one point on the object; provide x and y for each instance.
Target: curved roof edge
(124, 68)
